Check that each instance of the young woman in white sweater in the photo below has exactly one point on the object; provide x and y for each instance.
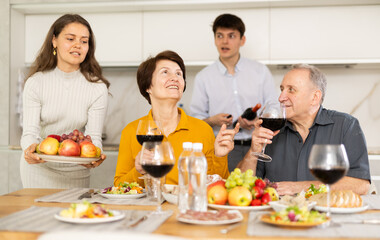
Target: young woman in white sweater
(65, 90)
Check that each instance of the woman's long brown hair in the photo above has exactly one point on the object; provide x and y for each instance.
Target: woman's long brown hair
(45, 60)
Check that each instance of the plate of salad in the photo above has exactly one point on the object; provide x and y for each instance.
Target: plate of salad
(86, 212)
(125, 190)
(295, 217)
(312, 190)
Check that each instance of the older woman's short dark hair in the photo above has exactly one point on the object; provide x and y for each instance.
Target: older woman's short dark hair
(146, 69)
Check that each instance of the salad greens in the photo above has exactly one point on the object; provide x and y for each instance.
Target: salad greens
(85, 210)
(295, 214)
(124, 188)
(312, 190)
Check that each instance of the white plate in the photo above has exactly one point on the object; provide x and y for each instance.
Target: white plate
(65, 159)
(278, 207)
(239, 218)
(170, 197)
(342, 210)
(117, 216)
(122, 196)
(247, 208)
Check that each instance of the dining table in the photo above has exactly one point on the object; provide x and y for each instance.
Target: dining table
(25, 198)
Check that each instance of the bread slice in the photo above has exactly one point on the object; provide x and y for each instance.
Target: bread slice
(339, 199)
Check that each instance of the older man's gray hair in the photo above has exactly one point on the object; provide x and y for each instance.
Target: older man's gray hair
(316, 77)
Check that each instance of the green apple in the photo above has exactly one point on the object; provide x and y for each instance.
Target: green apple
(49, 146)
(239, 196)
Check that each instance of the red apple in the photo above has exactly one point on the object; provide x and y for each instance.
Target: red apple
(220, 182)
(217, 195)
(49, 146)
(239, 196)
(87, 149)
(69, 148)
(56, 137)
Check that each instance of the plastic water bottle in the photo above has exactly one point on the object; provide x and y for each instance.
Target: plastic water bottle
(183, 177)
(198, 179)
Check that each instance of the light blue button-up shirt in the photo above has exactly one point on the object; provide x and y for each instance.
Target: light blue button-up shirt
(216, 91)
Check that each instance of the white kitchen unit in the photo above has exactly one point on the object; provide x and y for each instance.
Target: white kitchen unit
(312, 33)
(190, 33)
(121, 33)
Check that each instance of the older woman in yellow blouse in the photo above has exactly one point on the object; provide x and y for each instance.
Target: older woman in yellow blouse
(161, 81)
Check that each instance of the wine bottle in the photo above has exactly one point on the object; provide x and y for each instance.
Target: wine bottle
(249, 113)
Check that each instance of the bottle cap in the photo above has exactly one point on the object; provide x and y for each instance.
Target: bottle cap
(197, 146)
(187, 145)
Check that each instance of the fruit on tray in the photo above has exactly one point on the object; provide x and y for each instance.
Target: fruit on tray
(73, 144)
(69, 148)
(243, 189)
(239, 196)
(217, 193)
(49, 146)
(87, 149)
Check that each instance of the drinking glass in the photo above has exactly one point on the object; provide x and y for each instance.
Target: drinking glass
(148, 130)
(274, 118)
(157, 163)
(328, 163)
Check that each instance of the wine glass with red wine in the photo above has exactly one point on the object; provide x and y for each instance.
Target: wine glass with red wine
(274, 118)
(157, 163)
(328, 163)
(148, 130)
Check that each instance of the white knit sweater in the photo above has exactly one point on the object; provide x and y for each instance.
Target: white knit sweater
(55, 102)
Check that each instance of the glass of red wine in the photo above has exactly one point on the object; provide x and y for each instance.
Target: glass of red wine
(274, 118)
(157, 163)
(328, 163)
(148, 130)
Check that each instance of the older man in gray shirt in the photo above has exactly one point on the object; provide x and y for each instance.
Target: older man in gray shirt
(308, 123)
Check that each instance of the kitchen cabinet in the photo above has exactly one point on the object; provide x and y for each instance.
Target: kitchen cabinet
(322, 33)
(190, 33)
(118, 36)
(278, 34)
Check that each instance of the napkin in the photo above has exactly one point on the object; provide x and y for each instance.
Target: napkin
(120, 235)
(71, 196)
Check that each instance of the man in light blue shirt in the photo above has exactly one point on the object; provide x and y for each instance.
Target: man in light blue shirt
(224, 89)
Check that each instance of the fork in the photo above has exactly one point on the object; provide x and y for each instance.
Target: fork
(229, 228)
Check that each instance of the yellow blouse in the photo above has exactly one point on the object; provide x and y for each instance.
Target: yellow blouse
(189, 129)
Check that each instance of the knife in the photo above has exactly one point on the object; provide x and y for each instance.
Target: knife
(87, 194)
(143, 218)
(369, 221)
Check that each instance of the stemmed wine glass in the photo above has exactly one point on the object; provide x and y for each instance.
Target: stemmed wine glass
(328, 163)
(148, 130)
(274, 118)
(158, 162)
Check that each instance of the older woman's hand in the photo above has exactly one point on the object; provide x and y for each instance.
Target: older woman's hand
(95, 163)
(29, 155)
(224, 141)
(261, 136)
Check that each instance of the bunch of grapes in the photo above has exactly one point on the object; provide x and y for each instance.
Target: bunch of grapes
(237, 178)
(76, 136)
